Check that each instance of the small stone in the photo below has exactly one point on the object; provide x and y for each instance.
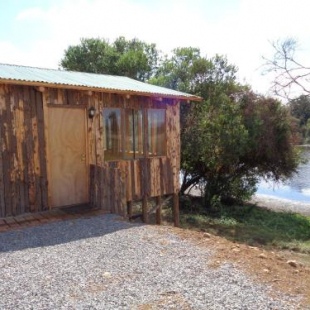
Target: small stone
(253, 248)
(207, 235)
(266, 270)
(292, 263)
(262, 255)
(236, 250)
(107, 274)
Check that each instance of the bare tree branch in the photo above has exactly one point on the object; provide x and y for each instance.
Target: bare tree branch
(290, 74)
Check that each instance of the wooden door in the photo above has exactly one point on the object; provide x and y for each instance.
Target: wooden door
(68, 171)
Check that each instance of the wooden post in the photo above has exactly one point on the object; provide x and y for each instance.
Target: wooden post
(129, 209)
(176, 213)
(158, 210)
(145, 216)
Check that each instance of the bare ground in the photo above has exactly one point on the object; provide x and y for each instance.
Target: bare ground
(286, 272)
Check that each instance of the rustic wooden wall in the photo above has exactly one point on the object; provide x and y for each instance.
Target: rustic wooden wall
(130, 181)
(23, 155)
(23, 177)
(135, 179)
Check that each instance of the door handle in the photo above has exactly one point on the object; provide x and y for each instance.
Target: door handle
(83, 157)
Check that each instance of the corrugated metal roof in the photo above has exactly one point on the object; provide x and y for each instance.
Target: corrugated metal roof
(74, 79)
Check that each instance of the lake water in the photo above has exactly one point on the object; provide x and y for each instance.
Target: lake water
(297, 188)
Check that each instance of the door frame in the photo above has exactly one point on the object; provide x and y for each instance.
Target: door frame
(46, 107)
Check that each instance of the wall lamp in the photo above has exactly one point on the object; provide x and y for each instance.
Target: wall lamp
(91, 112)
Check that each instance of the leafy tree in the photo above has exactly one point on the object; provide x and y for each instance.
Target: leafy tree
(231, 138)
(137, 59)
(186, 70)
(231, 144)
(300, 108)
(132, 58)
(307, 132)
(91, 55)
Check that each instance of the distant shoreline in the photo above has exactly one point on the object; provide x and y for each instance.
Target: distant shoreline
(280, 204)
(273, 203)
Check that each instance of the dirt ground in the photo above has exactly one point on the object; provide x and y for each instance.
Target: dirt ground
(286, 272)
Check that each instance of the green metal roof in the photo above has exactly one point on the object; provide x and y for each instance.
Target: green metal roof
(43, 77)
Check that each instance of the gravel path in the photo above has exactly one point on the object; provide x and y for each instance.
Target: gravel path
(104, 263)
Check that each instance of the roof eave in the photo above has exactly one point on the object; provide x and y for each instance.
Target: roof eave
(99, 89)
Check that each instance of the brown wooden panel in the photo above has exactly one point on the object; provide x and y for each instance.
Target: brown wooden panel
(128, 181)
(67, 153)
(22, 150)
(9, 158)
(155, 175)
(42, 152)
(173, 142)
(2, 137)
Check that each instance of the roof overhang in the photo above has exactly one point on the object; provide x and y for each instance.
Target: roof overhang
(100, 89)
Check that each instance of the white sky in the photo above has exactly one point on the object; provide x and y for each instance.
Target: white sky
(36, 32)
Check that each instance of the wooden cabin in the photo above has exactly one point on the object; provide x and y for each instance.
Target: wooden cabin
(70, 138)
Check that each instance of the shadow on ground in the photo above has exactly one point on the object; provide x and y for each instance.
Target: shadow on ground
(63, 231)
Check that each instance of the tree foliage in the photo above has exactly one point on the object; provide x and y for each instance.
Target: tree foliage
(132, 58)
(300, 109)
(231, 144)
(231, 138)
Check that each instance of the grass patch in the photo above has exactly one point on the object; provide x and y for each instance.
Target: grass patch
(251, 225)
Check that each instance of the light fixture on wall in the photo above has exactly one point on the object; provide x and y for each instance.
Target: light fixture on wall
(91, 112)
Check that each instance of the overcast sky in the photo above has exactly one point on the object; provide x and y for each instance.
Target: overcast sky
(36, 32)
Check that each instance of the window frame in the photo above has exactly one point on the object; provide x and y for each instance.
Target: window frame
(143, 125)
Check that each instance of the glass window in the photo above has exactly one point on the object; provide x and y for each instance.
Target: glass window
(124, 133)
(112, 141)
(157, 132)
(133, 134)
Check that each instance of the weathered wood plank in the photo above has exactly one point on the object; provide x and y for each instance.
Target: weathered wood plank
(42, 152)
(36, 161)
(128, 181)
(8, 165)
(2, 137)
(19, 129)
(29, 145)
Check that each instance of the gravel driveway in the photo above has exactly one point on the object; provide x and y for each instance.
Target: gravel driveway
(105, 263)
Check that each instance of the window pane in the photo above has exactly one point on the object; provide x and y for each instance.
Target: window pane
(138, 133)
(157, 132)
(133, 134)
(112, 141)
(129, 136)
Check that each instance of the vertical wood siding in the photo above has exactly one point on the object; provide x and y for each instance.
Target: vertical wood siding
(23, 178)
(23, 161)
